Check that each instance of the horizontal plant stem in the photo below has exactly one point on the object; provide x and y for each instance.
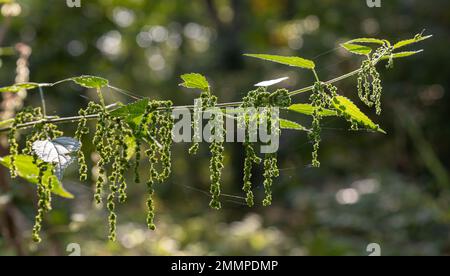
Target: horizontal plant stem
(230, 104)
(72, 119)
(310, 88)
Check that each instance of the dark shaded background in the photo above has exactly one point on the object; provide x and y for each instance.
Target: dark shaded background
(388, 189)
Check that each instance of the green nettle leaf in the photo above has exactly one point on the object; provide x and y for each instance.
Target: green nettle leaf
(287, 124)
(132, 113)
(357, 49)
(354, 46)
(91, 81)
(291, 61)
(368, 40)
(60, 152)
(6, 123)
(402, 54)
(352, 113)
(29, 171)
(308, 109)
(195, 81)
(407, 42)
(18, 87)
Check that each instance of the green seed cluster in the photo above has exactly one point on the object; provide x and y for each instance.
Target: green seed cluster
(109, 141)
(42, 131)
(216, 147)
(270, 171)
(35, 133)
(250, 159)
(207, 100)
(116, 179)
(104, 149)
(156, 129)
(216, 162)
(280, 98)
(319, 100)
(270, 162)
(164, 135)
(152, 155)
(139, 133)
(81, 131)
(160, 128)
(261, 98)
(44, 200)
(369, 81)
(26, 115)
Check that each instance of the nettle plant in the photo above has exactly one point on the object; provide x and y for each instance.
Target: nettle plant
(126, 134)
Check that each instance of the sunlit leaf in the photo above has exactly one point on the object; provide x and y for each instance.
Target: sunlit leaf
(29, 171)
(308, 109)
(132, 113)
(286, 124)
(352, 113)
(407, 42)
(195, 81)
(357, 49)
(291, 61)
(368, 40)
(91, 81)
(403, 54)
(6, 123)
(18, 87)
(354, 46)
(59, 152)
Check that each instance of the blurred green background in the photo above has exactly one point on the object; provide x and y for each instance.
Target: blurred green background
(387, 189)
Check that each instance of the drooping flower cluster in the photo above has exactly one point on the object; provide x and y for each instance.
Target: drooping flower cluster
(109, 141)
(271, 171)
(44, 131)
(114, 139)
(217, 156)
(44, 195)
(321, 98)
(155, 129)
(26, 115)
(81, 131)
(208, 104)
(369, 81)
(261, 98)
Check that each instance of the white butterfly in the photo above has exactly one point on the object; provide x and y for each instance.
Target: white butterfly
(59, 151)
